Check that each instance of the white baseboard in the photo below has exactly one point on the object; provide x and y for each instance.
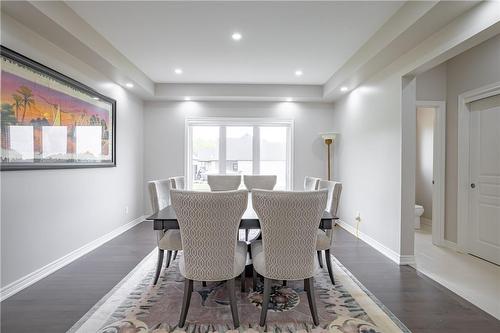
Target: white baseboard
(449, 244)
(28, 280)
(426, 221)
(394, 256)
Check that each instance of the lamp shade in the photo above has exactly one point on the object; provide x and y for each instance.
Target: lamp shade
(328, 136)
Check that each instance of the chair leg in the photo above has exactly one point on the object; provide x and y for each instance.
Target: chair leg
(168, 259)
(329, 265)
(158, 265)
(186, 299)
(312, 300)
(204, 283)
(284, 283)
(242, 278)
(320, 259)
(247, 232)
(305, 285)
(232, 298)
(265, 301)
(254, 279)
(175, 255)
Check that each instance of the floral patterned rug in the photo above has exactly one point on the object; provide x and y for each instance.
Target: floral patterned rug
(135, 305)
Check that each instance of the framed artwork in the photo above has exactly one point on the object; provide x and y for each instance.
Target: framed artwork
(50, 121)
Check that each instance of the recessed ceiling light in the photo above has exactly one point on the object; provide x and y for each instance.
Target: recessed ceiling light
(178, 71)
(187, 98)
(289, 99)
(129, 85)
(344, 89)
(95, 98)
(298, 72)
(236, 36)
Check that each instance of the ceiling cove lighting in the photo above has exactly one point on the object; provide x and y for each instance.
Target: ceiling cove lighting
(178, 71)
(289, 99)
(298, 72)
(344, 89)
(95, 98)
(187, 98)
(236, 36)
(129, 85)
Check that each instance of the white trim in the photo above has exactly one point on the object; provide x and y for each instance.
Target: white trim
(463, 158)
(439, 169)
(394, 256)
(426, 221)
(29, 279)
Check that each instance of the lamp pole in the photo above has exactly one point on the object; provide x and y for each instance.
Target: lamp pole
(328, 144)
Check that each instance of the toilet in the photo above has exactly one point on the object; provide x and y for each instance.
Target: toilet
(419, 210)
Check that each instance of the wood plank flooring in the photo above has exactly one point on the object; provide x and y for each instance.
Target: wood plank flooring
(55, 303)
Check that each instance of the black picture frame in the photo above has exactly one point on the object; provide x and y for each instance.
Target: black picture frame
(74, 163)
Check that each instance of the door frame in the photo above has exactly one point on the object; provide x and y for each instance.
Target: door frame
(463, 158)
(438, 169)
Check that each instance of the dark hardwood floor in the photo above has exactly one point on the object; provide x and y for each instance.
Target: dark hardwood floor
(55, 303)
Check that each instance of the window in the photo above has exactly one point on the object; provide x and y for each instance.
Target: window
(238, 146)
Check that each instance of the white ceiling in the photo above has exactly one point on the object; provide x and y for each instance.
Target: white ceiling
(278, 37)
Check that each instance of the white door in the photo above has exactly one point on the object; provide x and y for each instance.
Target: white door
(484, 190)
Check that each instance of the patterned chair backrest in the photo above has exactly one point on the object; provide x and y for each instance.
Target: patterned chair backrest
(261, 182)
(289, 223)
(159, 194)
(311, 183)
(223, 182)
(334, 191)
(177, 183)
(209, 223)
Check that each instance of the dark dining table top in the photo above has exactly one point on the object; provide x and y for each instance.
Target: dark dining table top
(167, 219)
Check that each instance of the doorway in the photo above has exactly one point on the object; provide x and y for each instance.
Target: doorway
(430, 168)
(479, 173)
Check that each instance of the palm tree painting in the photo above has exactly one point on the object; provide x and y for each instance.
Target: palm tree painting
(50, 120)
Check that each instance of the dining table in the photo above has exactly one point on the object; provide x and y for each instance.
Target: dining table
(166, 219)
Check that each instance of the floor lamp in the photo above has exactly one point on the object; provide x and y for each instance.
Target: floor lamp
(329, 138)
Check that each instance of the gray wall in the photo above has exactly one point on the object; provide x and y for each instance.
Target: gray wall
(47, 214)
(423, 176)
(165, 121)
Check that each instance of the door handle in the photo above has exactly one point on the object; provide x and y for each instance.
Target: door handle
(472, 185)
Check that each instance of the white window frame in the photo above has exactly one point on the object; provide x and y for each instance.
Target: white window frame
(256, 123)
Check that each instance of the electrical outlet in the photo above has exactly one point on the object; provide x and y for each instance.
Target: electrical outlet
(126, 209)
(358, 216)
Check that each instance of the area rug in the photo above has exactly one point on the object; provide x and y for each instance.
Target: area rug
(135, 305)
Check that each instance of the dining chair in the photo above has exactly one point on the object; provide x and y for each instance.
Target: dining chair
(169, 240)
(262, 182)
(289, 223)
(177, 183)
(325, 237)
(311, 183)
(209, 223)
(224, 182)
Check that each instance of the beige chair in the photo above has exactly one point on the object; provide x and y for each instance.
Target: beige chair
(223, 182)
(289, 223)
(325, 238)
(262, 182)
(311, 183)
(177, 183)
(169, 240)
(209, 223)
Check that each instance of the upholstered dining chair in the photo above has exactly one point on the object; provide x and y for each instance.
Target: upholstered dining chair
(170, 240)
(209, 223)
(325, 237)
(289, 223)
(177, 183)
(311, 183)
(262, 182)
(223, 182)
